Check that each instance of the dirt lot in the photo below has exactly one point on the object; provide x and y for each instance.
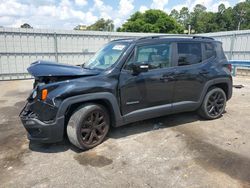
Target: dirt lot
(173, 151)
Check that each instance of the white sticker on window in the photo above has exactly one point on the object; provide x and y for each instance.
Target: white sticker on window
(118, 47)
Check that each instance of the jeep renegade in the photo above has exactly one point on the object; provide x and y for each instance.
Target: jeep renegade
(127, 80)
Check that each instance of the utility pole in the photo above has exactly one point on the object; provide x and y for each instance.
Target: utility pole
(238, 26)
(241, 18)
(189, 29)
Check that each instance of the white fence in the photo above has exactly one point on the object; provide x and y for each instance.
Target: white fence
(235, 43)
(20, 47)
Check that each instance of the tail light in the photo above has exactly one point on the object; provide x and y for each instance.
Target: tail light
(229, 66)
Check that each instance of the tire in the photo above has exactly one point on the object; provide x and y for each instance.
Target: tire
(88, 126)
(213, 105)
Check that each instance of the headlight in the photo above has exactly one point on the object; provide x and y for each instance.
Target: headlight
(34, 94)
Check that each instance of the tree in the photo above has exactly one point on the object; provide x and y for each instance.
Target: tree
(200, 19)
(203, 21)
(151, 21)
(184, 17)
(241, 14)
(221, 8)
(26, 25)
(227, 18)
(199, 8)
(102, 25)
(175, 14)
(224, 18)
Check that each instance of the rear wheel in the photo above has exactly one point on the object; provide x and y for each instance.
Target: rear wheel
(213, 104)
(88, 126)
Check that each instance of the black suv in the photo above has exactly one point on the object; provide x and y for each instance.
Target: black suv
(127, 80)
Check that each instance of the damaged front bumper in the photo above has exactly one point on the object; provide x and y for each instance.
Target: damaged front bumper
(42, 131)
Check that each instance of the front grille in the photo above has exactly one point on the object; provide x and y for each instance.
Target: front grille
(27, 113)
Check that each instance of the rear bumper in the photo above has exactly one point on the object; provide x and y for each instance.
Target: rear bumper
(42, 132)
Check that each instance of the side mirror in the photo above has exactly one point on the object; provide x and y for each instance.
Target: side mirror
(138, 68)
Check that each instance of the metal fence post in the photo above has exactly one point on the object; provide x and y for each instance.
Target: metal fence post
(55, 46)
(232, 46)
(234, 71)
(109, 37)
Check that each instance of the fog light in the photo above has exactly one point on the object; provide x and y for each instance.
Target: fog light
(30, 122)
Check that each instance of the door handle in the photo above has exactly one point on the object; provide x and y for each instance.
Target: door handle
(204, 72)
(177, 72)
(166, 77)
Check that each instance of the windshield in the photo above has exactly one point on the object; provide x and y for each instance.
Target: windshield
(106, 56)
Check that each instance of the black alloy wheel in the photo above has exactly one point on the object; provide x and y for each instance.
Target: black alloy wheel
(94, 127)
(88, 126)
(214, 104)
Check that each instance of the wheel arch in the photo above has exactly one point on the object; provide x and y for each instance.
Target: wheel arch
(224, 86)
(105, 99)
(103, 102)
(224, 83)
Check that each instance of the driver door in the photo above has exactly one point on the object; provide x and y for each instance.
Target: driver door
(147, 89)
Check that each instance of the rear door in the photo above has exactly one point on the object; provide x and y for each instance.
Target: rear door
(191, 72)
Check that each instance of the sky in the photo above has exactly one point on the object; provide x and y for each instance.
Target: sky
(66, 14)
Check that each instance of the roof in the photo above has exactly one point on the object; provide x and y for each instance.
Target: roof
(170, 37)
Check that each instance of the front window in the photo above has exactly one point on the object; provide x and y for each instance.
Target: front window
(155, 55)
(107, 56)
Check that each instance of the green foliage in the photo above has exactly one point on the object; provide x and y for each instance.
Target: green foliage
(184, 17)
(175, 14)
(200, 20)
(152, 21)
(102, 25)
(26, 25)
(241, 14)
(225, 19)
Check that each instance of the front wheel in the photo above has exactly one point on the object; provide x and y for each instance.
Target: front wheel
(213, 104)
(88, 126)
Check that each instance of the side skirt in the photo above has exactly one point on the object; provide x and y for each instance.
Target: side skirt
(157, 111)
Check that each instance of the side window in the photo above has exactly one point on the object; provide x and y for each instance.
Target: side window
(156, 56)
(219, 50)
(189, 53)
(209, 50)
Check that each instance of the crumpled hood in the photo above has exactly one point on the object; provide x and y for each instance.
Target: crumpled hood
(46, 68)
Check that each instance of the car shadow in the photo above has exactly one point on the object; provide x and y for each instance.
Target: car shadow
(123, 131)
(53, 148)
(153, 124)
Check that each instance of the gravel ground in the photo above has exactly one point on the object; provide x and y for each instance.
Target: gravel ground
(173, 151)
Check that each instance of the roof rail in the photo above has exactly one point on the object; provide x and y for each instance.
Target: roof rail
(121, 39)
(175, 35)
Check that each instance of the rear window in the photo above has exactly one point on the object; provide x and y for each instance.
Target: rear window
(219, 50)
(189, 53)
(209, 50)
